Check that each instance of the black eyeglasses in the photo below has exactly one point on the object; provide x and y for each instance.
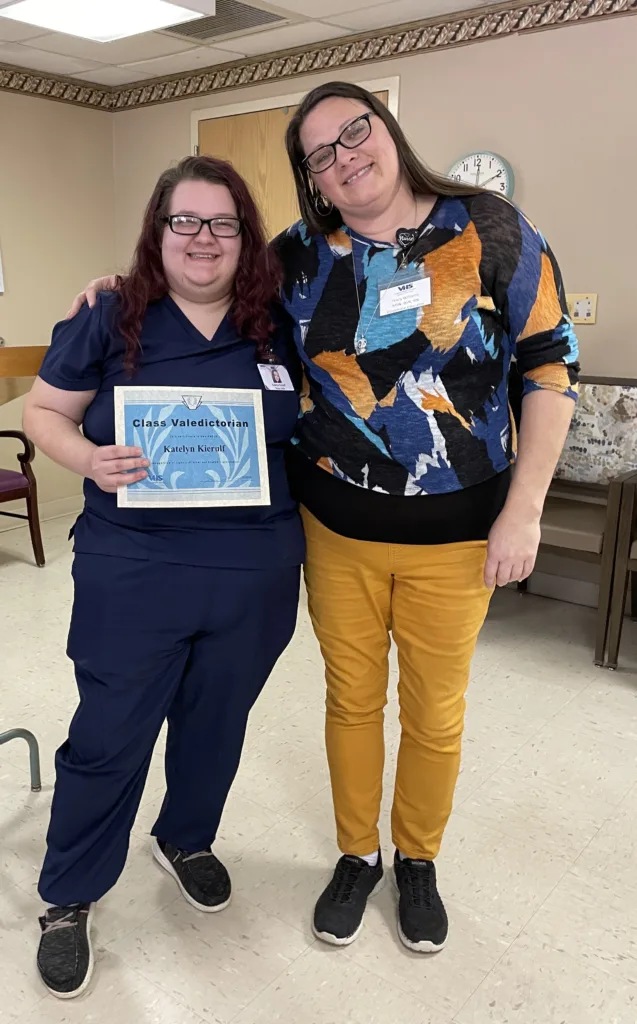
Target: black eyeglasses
(221, 227)
(354, 135)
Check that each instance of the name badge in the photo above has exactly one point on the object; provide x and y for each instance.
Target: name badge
(410, 292)
(275, 378)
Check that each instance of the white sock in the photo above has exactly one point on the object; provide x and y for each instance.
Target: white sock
(371, 859)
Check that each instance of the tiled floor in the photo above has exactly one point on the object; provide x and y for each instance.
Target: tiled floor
(539, 867)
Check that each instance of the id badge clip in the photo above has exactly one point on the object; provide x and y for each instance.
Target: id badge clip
(275, 377)
(409, 289)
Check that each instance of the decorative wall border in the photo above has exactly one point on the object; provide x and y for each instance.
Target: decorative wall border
(420, 37)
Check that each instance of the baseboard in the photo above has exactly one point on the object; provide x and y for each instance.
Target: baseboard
(55, 509)
(560, 588)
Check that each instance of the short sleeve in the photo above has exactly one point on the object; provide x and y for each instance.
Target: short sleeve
(529, 293)
(75, 358)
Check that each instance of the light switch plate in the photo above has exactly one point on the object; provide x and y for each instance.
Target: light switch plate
(582, 307)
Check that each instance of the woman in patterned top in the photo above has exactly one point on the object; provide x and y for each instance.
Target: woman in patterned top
(410, 295)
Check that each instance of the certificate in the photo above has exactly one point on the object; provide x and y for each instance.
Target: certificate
(206, 446)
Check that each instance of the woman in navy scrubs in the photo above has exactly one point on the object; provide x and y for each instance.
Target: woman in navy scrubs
(179, 614)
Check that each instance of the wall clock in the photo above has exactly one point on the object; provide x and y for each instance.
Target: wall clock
(486, 169)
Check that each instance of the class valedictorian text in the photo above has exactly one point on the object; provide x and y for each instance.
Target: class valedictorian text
(192, 423)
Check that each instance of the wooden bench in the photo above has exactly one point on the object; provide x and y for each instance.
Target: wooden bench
(625, 569)
(582, 512)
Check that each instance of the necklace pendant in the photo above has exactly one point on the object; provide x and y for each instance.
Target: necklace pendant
(406, 237)
(360, 346)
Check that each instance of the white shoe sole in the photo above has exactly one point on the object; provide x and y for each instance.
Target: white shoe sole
(429, 948)
(164, 863)
(91, 965)
(416, 947)
(333, 940)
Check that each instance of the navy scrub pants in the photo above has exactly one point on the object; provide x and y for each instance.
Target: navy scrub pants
(153, 641)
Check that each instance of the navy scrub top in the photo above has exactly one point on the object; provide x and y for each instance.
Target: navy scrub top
(86, 354)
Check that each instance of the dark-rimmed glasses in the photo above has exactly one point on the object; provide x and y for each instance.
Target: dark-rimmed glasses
(220, 227)
(353, 135)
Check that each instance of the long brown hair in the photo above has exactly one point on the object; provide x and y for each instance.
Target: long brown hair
(418, 177)
(257, 281)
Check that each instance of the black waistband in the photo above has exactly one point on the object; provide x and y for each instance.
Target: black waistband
(355, 512)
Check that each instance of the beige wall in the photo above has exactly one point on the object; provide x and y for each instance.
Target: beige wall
(56, 231)
(560, 105)
(56, 210)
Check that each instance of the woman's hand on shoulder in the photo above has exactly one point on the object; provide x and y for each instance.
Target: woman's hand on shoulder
(89, 295)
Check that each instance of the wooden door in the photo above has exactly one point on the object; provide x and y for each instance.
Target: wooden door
(19, 365)
(255, 144)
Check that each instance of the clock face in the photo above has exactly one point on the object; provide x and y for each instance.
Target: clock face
(488, 170)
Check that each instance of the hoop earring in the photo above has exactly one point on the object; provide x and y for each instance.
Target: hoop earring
(322, 205)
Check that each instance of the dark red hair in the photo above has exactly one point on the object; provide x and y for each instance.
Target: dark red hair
(258, 278)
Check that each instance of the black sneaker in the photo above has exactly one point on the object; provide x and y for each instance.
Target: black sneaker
(65, 955)
(338, 917)
(202, 878)
(422, 918)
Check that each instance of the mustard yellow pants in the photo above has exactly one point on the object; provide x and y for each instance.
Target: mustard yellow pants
(433, 601)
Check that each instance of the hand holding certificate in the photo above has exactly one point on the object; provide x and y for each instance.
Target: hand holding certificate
(206, 446)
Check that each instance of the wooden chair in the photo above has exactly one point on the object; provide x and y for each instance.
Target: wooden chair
(581, 522)
(18, 365)
(582, 511)
(625, 569)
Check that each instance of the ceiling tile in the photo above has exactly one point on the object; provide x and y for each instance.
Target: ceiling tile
(39, 60)
(399, 12)
(305, 32)
(192, 60)
(16, 31)
(327, 8)
(113, 76)
(203, 6)
(121, 51)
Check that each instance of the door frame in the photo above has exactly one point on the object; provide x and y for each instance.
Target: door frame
(389, 85)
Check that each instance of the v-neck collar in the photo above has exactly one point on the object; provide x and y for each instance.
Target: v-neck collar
(356, 236)
(224, 335)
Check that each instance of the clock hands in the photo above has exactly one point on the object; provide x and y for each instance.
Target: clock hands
(489, 180)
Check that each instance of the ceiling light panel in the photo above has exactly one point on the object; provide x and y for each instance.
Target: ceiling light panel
(101, 22)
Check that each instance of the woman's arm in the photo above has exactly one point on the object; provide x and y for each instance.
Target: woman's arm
(526, 283)
(52, 419)
(515, 537)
